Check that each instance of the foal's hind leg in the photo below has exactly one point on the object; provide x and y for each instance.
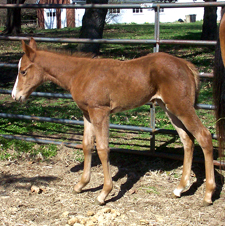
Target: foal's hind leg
(204, 138)
(188, 117)
(88, 146)
(188, 142)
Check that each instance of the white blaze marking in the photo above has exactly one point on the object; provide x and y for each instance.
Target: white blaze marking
(16, 83)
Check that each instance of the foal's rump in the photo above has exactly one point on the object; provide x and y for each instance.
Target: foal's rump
(177, 80)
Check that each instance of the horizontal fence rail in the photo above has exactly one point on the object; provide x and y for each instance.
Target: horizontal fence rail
(143, 5)
(127, 151)
(77, 122)
(156, 42)
(109, 41)
(69, 96)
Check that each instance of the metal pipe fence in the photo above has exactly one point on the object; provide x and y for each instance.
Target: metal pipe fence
(110, 41)
(69, 96)
(155, 42)
(131, 5)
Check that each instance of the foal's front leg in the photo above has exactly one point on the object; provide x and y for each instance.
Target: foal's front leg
(88, 146)
(100, 120)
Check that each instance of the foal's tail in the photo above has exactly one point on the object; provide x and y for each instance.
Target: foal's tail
(195, 74)
(219, 93)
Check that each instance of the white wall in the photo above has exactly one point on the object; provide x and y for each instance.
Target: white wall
(148, 15)
(78, 17)
(63, 18)
(127, 16)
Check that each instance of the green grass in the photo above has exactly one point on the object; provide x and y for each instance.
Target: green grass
(15, 149)
(10, 52)
(150, 189)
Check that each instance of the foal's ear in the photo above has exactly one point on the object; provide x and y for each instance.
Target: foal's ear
(33, 44)
(30, 52)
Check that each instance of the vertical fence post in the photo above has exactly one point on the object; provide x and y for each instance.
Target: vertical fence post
(152, 126)
(152, 106)
(156, 33)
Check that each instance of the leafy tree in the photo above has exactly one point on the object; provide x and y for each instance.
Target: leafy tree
(92, 26)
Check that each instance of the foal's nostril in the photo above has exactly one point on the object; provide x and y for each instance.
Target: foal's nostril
(13, 96)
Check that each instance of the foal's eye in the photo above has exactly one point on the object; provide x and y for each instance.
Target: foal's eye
(23, 72)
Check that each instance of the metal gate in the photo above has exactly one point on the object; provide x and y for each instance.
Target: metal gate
(155, 42)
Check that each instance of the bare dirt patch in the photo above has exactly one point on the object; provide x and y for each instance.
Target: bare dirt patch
(142, 193)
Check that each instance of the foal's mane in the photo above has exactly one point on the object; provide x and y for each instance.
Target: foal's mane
(67, 52)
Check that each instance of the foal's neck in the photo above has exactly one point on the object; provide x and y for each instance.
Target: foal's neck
(58, 67)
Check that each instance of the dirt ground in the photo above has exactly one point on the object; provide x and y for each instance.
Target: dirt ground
(34, 192)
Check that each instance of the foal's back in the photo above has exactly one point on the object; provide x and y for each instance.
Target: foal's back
(123, 85)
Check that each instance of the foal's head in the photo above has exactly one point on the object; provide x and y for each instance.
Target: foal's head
(30, 76)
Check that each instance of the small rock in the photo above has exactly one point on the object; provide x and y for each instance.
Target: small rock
(73, 221)
(90, 223)
(133, 191)
(123, 216)
(90, 213)
(13, 209)
(36, 189)
(93, 219)
(65, 214)
(115, 212)
(144, 222)
(101, 219)
(78, 224)
(159, 218)
(106, 210)
(39, 157)
(83, 221)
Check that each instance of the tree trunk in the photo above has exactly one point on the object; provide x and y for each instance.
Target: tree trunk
(92, 27)
(13, 23)
(209, 28)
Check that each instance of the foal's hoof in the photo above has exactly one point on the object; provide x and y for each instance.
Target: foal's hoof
(206, 203)
(77, 191)
(97, 202)
(175, 196)
(177, 193)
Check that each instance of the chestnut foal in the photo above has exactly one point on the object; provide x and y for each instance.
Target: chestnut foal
(104, 86)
